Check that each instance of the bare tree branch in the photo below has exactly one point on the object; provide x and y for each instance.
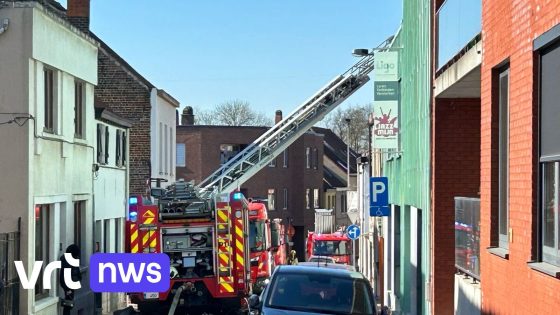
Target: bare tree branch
(357, 138)
(232, 113)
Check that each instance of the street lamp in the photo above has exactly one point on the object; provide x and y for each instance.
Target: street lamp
(348, 152)
(371, 121)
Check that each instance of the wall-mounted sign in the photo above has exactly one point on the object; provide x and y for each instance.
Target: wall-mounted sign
(386, 101)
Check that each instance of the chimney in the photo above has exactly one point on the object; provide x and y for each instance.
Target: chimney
(176, 117)
(187, 118)
(78, 14)
(278, 116)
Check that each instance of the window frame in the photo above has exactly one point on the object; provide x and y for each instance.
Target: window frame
(184, 151)
(548, 257)
(42, 241)
(316, 198)
(271, 196)
(308, 157)
(49, 100)
(307, 198)
(315, 158)
(285, 193)
(80, 217)
(503, 158)
(79, 110)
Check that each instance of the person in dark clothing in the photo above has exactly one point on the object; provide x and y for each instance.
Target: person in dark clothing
(68, 303)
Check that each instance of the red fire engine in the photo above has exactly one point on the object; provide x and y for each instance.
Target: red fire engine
(188, 230)
(267, 243)
(324, 241)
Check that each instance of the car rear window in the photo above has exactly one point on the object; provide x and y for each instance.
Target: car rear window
(321, 293)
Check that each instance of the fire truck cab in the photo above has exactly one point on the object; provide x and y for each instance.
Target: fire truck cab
(267, 244)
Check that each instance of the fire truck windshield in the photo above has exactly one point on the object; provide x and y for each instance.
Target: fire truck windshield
(330, 248)
(256, 236)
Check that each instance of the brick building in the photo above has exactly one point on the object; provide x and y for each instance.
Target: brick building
(128, 94)
(520, 151)
(292, 184)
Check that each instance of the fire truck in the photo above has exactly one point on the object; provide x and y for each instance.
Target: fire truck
(325, 241)
(205, 229)
(268, 245)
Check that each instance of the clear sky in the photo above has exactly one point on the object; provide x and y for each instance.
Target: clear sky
(272, 53)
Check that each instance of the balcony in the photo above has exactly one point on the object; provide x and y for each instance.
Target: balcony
(459, 23)
(467, 236)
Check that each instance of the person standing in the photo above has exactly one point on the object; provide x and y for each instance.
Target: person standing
(292, 259)
(68, 302)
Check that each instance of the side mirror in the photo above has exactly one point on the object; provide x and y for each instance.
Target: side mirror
(254, 302)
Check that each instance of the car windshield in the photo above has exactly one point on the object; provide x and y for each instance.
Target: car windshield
(320, 294)
(329, 248)
(256, 236)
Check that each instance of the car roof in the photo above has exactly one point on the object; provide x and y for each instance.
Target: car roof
(310, 270)
(327, 265)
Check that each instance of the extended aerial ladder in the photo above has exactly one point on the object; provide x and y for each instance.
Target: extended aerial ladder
(279, 137)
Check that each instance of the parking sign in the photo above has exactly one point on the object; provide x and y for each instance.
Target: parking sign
(378, 197)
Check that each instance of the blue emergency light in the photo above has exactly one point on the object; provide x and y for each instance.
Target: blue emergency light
(132, 200)
(237, 196)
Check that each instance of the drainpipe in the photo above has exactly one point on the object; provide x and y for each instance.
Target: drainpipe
(4, 26)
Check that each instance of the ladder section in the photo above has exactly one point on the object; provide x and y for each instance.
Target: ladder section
(279, 137)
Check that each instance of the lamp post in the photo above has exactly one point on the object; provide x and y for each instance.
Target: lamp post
(348, 152)
(371, 120)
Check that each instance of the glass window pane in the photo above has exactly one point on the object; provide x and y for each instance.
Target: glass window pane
(503, 156)
(549, 203)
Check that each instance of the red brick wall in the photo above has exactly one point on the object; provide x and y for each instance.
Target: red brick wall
(455, 172)
(510, 286)
(128, 97)
(202, 146)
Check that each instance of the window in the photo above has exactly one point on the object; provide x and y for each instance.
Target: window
(50, 112)
(181, 155)
(102, 144)
(285, 198)
(272, 163)
(171, 141)
(271, 199)
(166, 150)
(549, 155)
(79, 225)
(107, 236)
(503, 156)
(285, 158)
(160, 148)
(42, 244)
(117, 235)
(307, 199)
(308, 157)
(120, 152)
(343, 203)
(316, 198)
(79, 109)
(315, 158)
(118, 149)
(228, 151)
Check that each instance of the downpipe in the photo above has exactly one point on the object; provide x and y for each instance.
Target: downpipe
(176, 299)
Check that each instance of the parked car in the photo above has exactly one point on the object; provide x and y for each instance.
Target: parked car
(327, 265)
(325, 259)
(306, 290)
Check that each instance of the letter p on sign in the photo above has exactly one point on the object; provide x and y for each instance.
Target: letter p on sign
(378, 192)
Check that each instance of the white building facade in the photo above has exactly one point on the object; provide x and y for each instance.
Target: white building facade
(163, 136)
(48, 150)
(110, 190)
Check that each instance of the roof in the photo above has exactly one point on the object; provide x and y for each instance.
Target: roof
(327, 265)
(330, 237)
(308, 270)
(103, 112)
(330, 180)
(335, 148)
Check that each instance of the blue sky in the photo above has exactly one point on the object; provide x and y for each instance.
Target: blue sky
(272, 53)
